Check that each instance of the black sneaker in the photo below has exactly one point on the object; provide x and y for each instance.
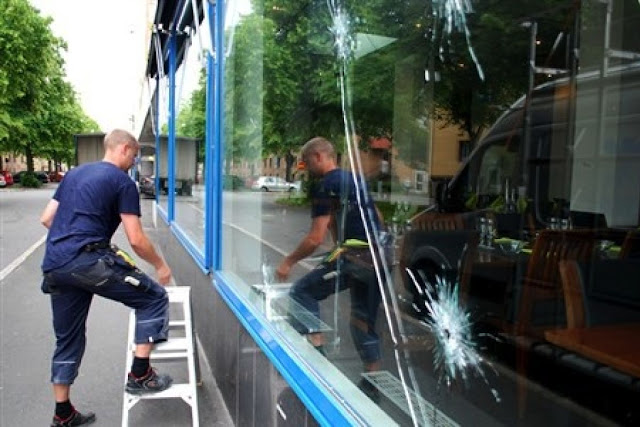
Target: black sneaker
(75, 419)
(149, 383)
(370, 390)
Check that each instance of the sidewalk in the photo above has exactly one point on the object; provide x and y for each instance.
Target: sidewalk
(27, 342)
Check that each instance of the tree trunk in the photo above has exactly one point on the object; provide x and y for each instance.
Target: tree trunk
(29, 154)
(289, 159)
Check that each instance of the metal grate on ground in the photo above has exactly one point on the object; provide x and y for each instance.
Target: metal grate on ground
(392, 388)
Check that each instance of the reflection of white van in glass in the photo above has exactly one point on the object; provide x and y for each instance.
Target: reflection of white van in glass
(575, 163)
(578, 158)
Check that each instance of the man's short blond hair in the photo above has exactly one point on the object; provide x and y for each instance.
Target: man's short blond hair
(117, 137)
(318, 144)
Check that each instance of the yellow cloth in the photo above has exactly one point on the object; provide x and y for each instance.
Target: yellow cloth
(349, 243)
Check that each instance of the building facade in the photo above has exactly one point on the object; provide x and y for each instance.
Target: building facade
(15, 163)
(508, 295)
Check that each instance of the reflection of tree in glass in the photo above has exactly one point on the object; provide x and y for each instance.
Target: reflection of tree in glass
(501, 45)
(191, 119)
(280, 77)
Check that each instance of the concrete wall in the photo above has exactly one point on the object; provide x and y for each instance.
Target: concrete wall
(254, 392)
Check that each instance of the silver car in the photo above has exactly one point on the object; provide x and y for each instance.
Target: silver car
(274, 183)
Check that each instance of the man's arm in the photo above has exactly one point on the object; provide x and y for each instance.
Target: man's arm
(142, 246)
(46, 218)
(306, 247)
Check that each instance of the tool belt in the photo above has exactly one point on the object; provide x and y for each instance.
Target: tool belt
(91, 247)
(112, 265)
(354, 250)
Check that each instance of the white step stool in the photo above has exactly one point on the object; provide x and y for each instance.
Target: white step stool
(175, 348)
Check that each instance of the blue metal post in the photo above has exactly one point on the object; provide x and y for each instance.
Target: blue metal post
(172, 128)
(218, 129)
(156, 126)
(209, 178)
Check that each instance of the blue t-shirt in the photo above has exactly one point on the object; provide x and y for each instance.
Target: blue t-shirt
(335, 194)
(91, 198)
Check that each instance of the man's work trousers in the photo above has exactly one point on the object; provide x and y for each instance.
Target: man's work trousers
(103, 273)
(335, 276)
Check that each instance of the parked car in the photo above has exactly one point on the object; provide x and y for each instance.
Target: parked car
(232, 182)
(42, 176)
(274, 183)
(148, 185)
(8, 178)
(3, 183)
(17, 176)
(56, 176)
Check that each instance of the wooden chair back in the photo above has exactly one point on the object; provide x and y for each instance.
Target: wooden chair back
(542, 280)
(631, 245)
(436, 221)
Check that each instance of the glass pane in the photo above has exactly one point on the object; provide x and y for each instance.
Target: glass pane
(190, 150)
(163, 155)
(505, 293)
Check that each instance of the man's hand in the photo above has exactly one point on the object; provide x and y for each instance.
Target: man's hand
(313, 239)
(164, 274)
(46, 218)
(143, 247)
(282, 273)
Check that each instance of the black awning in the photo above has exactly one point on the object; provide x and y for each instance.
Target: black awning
(172, 16)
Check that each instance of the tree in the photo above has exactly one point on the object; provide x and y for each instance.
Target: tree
(60, 118)
(286, 64)
(39, 112)
(243, 93)
(501, 44)
(282, 75)
(27, 52)
(191, 118)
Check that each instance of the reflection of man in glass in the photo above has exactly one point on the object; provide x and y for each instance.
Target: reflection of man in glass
(335, 207)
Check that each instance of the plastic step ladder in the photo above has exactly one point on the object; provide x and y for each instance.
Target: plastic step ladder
(176, 348)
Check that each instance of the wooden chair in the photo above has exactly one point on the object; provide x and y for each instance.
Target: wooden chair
(605, 291)
(572, 289)
(542, 281)
(542, 285)
(432, 221)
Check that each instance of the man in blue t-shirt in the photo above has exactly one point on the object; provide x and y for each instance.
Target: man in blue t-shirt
(86, 209)
(342, 208)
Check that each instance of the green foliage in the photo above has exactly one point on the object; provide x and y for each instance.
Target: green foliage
(294, 199)
(282, 76)
(232, 182)
(386, 209)
(39, 111)
(30, 180)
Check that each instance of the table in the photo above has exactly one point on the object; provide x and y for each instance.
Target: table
(495, 277)
(616, 345)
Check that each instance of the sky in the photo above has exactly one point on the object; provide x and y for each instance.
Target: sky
(106, 57)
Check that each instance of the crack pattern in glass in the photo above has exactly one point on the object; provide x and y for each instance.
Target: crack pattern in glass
(455, 351)
(453, 14)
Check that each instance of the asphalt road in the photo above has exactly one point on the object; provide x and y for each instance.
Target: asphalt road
(20, 227)
(27, 341)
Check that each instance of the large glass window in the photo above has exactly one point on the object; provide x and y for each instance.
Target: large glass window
(162, 156)
(497, 291)
(190, 138)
